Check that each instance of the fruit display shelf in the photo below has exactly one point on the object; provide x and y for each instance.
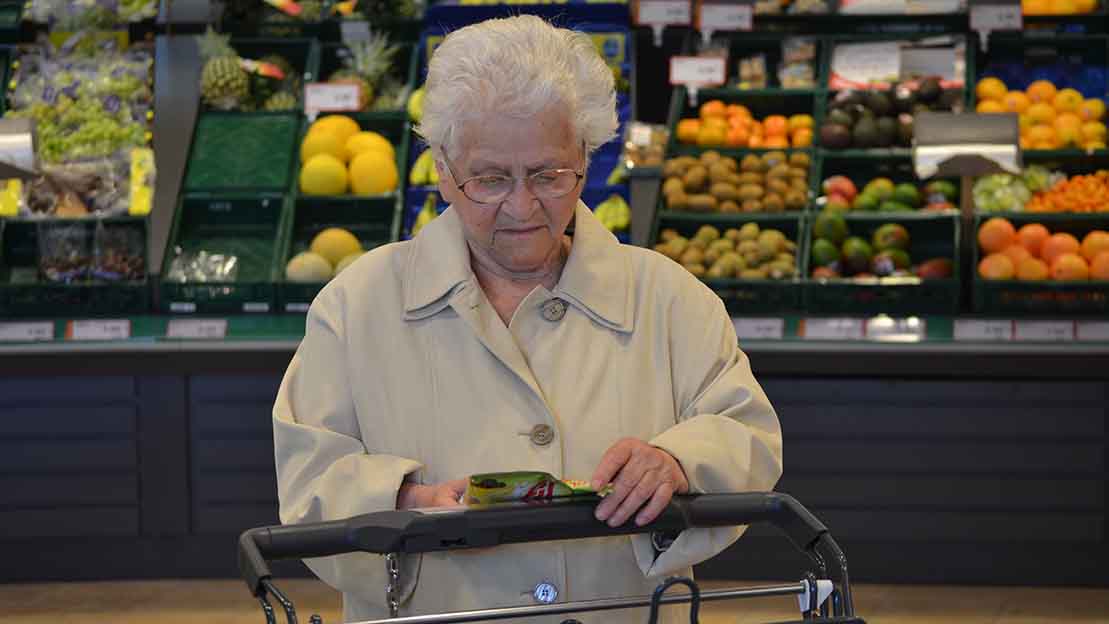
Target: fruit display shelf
(90, 278)
(931, 236)
(1075, 299)
(246, 228)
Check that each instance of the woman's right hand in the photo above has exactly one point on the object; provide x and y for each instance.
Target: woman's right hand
(416, 496)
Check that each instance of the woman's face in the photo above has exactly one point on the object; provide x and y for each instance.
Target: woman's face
(522, 233)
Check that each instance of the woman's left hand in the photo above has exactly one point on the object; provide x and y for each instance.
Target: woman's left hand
(642, 476)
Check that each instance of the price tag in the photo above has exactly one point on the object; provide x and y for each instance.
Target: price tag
(182, 307)
(1044, 331)
(978, 330)
(296, 307)
(320, 97)
(887, 329)
(860, 65)
(832, 329)
(697, 71)
(659, 14)
(114, 329)
(256, 306)
(759, 328)
(197, 329)
(353, 31)
(34, 331)
(994, 15)
(640, 135)
(1092, 331)
(730, 16)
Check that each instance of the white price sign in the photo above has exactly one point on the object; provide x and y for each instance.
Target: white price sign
(34, 331)
(887, 329)
(759, 328)
(732, 16)
(1044, 331)
(331, 98)
(353, 31)
(697, 71)
(833, 329)
(993, 17)
(114, 329)
(665, 13)
(978, 330)
(197, 329)
(1092, 331)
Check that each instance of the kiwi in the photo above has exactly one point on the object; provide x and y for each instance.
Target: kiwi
(698, 270)
(773, 202)
(773, 159)
(800, 159)
(751, 191)
(751, 164)
(794, 199)
(678, 247)
(730, 163)
(699, 243)
(667, 235)
(777, 185)
(724, 191)
(781, 270)
(718, 172)
(733, 262)
(678, 200)
(677, 167)
(786, 258)
(729, 206)
(715, 272)
(696, 179)
(708, 232)
(702, 203)
(712, 255)
(754, 274)
(662, 248)
(671, 185)
(752, 205)
(778, 171)
(797, 173)
(693, 256)
(799, 185)
(709, 157)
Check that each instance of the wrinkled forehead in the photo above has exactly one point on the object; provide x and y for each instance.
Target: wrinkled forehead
(529, 142)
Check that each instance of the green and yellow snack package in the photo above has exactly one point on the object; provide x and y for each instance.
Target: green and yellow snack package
(510, 487)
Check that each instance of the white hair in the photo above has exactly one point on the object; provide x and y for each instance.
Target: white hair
(517, 66)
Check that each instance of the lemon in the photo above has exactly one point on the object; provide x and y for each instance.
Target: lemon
(339, 125)
(368, 142)
(373, 173)
(308, 267)
(322, 143)
(323, 174)
(334, 244)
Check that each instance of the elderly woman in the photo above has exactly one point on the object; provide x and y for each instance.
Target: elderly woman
(515, 333)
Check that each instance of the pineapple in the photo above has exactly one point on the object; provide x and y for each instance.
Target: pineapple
(368, 65)
(311, 10)
(224, 84)
(280, 102)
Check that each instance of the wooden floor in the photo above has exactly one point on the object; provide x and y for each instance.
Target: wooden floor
(227, 602)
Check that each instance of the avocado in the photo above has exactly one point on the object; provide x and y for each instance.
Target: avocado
(857, 255)
(839, 116)
(907, 194)
(951, 100)
(835, 136)
(831, 226)
(887, 131)
(860, 111)
(824, 252)
(903, 98)
(885, 263)
(848, 99)
(865, 133)
(893, 206)
(882, 188)
(891, 236)
(930, 90)
(878, 103)
(866, 202)
(905, 129)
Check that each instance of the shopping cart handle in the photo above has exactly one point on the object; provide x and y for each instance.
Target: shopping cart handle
(428, 530)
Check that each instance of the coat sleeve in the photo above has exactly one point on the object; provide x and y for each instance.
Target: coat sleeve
(727, 438)
(323, 469)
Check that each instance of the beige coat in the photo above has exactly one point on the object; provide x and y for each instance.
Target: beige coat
(407, 372)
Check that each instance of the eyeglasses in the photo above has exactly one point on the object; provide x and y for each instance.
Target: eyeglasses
(493, 189)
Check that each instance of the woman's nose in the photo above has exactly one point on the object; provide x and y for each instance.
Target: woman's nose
(521, 203)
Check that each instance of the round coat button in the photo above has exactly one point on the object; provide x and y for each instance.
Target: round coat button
(554, 310)
(545, 593)
(542, 435)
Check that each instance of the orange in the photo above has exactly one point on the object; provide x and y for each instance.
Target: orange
(1016, 102)
(996, 267)
(990, 106)
(1064, 7)
(1068, 101)
(712, 136)
(1095, 243)
(1026, 123)
(1032, 270)
(737, 110)
(1017, 253)
(756, 128)
(990, 89)
(1025, 143)
(1033, 236)
(1057, 245)
(1092, 110)
(1099, 268)
(776, 125)
(802, 137)
(797, 122)
(1070, 267)
(1068, 129)
(1043, 135)
(1085, 6)
(1093, 132)
(776, 142)
(1093, 146)
(739, 121)
(1036, 7)
(996, 234)
(713, 108)
(1041, 113)
(737, 137)
(1041, 91)
(756, 141)
(688, 129)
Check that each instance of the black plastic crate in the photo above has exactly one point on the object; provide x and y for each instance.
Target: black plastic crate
(247, 227)
(931, 236)
(375, 221)
(24, 291)
(1051, 298)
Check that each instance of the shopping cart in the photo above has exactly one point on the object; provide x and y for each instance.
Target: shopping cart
(390, 533)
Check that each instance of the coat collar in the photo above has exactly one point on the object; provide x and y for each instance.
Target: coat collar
(596, 278)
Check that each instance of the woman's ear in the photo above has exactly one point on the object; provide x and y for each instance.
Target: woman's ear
(447, 186)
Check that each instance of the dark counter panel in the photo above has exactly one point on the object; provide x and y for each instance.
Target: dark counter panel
(68, 521)
(817, 455)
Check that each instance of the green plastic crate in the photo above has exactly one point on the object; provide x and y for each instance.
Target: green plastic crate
(405, 65)
(248, 227)
(375, 221)
(242, 152)
(762, 103)
(746, 296)
(1011, 297)
(861, 168)
(393, 128)
(23, 292)
(930, 235)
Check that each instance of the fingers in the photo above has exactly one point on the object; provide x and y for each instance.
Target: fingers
(659, 501)
(611, 463)
(639, 494)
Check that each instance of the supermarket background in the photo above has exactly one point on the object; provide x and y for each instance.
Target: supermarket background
(937, 347)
